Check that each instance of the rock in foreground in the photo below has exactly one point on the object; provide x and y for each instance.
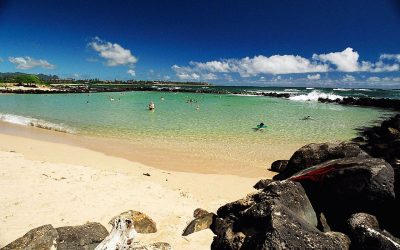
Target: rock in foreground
(41, 238)
(342, 187)
(316, 153)
(280, 216)
(143, 223)
(366, 234)
(85, 237)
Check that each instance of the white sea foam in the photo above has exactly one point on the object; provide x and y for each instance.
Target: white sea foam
(28, 121)
(291, 90)
(339, 89)
(364, 89)
(309, 88)
(314, 96)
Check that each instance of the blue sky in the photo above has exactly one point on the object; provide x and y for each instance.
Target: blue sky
(231, 42)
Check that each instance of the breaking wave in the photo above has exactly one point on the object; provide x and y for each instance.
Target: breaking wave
(314, 96)
(32, 122)
(339, 89)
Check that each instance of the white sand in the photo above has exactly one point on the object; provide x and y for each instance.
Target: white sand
(50, 183)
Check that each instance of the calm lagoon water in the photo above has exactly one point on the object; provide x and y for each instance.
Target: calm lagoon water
(220, 118)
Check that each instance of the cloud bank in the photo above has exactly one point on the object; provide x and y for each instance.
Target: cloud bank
(342, 61)
(27, 62)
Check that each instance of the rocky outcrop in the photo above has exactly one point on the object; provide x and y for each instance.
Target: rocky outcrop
(279, 216)
(41, 238)
(261, 184)
(346, 186)
(385, 103)
(365, 233)
(143, 223)
(383, 141)
(316, 153)
(85, 237)
(279, 166)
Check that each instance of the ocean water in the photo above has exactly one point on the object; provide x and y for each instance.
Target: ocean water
(226, 119)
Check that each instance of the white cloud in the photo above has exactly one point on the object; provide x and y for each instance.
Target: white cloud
(390, 57)
(277, 64)
(209, 76)
(29, 63)
(131, 72)
(348, 78)
(343, 61)
(114, 53)
(373, 79)
(346, 60)
(396, 79)
(186, 76)
(314, 77)
(213, 66)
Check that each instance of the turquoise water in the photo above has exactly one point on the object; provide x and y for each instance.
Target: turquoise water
(224, 118)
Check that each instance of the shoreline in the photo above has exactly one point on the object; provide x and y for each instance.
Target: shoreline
(170, 156)
(48, 182)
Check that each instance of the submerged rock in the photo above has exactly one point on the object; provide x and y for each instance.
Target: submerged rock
(142, 222)
(313, 154)
(40, 238)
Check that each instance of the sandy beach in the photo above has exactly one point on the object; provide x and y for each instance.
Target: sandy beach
(44, 181)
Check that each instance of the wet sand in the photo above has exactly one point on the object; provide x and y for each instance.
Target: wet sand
(48, 177)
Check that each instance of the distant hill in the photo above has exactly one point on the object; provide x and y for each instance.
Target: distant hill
(18, 77)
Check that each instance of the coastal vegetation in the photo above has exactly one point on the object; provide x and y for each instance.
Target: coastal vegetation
(42, 79)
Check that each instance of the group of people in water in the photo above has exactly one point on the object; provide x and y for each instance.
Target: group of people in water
(260, 126)
(151, 106)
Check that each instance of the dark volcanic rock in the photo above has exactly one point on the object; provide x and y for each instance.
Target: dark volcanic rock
(289, 193)
(84, 237)
(322, 223)
(346, 186)
(287, 231)
(313, 154)
(41, 238)
(280, 216)
(261, 184)
(279, 166)
(271, 225)
(383, 141)
(365, 233)
(203, 222)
